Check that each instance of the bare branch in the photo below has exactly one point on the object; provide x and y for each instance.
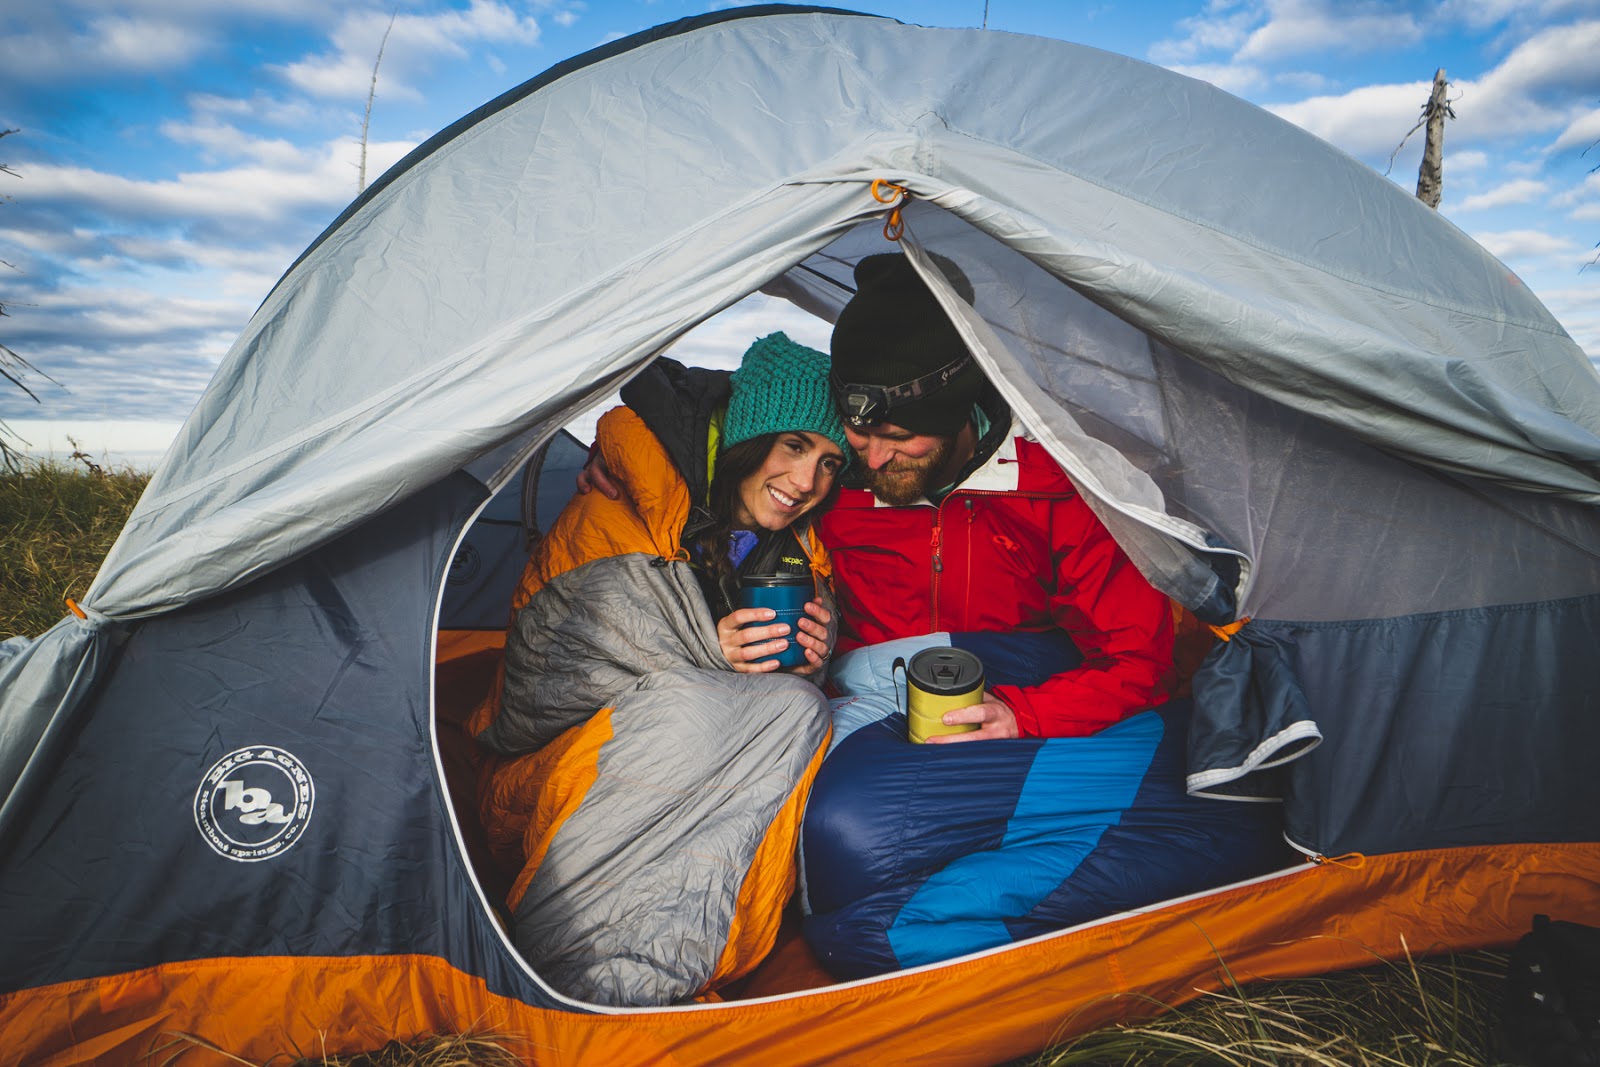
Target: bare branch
(7, 170)
(1402, 144)
(1430, 174)
(372, 91)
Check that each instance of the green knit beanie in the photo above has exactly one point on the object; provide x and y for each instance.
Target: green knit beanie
(893, 331)
(782, 386)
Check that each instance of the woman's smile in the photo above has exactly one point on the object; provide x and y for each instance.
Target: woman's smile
(798, 473)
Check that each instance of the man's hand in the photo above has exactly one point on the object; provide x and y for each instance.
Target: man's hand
(994, 717)
(741, 648)
(595, 476)
(813, 637)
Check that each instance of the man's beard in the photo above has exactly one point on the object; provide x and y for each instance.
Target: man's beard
(904, 481)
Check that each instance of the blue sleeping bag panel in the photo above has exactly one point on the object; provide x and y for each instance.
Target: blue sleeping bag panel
(918, 853)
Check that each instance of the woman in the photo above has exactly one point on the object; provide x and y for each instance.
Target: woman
(654, 822)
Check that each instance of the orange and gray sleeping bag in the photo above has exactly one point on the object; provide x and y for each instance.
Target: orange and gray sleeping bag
(654, 808)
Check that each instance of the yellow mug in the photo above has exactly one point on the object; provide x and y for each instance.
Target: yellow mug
(939, 680)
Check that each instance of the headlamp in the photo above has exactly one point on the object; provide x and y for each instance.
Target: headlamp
(863, 405)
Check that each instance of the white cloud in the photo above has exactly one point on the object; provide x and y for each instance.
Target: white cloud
(1584, 130)
(1468, 160)
(1547, 82)
(1297, 27)
(1267, 30)
(219, 140)
(1303, 80)
(413, 40)
(282, 184)
(46, 53)
(1367, 121)
(257, 194)
(1525, 244)
(198, 10)
(1544, 84)
(1584, 199)
(1577, 307)
(295, 113)
(1588, 187)
(720, 343)
(1520, 191)
(1222, 29)
(1235, 78)
(1559, 58)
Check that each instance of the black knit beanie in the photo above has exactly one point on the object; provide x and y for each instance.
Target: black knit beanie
(894, 331)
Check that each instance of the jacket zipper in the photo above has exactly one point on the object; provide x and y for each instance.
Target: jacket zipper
(938, 565)
(971, 518)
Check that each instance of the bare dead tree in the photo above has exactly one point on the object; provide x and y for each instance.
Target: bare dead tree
(372, 91)
(1430, 175)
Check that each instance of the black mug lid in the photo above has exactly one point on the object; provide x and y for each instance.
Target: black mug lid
(945, 671)
(767, 581)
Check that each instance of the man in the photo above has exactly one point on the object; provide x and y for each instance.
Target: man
(964, 524)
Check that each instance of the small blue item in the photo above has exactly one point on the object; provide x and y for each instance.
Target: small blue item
(786, 594)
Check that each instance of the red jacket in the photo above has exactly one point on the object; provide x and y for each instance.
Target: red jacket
(1013, 547)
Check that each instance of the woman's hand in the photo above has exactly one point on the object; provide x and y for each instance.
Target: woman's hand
(741, 647)
(813, 637)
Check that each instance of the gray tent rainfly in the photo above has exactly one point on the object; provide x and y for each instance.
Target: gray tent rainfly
(1294, 394)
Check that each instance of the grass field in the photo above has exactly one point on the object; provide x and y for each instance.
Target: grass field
(57, 522)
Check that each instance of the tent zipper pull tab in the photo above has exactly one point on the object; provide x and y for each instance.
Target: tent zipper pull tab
(894, 226)
(1350, 861)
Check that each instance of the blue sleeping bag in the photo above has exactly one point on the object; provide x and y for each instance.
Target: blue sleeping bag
(913, 854)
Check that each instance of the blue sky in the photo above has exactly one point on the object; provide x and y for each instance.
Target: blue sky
(174, 156)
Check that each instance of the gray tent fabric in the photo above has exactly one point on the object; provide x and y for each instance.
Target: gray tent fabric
(1290, 390)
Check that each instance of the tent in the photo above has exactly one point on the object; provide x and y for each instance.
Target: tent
(1295, 394)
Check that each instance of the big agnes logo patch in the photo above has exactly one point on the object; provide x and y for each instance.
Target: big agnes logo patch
(254, 803)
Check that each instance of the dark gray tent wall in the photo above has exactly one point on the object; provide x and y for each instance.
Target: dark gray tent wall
(327, 660)
(489, 561)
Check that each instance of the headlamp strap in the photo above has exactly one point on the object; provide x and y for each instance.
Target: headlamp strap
(872, 403)
(928, 383)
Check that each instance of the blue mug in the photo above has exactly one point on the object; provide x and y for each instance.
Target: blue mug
(787, 595)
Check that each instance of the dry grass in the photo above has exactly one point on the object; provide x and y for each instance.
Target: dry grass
(56, 525)
(1431, 1013)
(449, 1050)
